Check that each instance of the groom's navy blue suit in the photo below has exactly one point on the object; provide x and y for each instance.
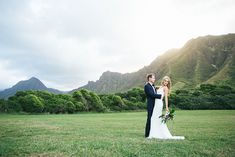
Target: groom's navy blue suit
(151, 96)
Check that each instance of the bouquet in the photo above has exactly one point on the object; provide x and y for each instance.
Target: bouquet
(168, 116)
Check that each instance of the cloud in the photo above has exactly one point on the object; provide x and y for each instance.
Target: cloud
(68, 43)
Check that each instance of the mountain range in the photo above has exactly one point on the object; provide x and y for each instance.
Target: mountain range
(31, 84)
(207, 59)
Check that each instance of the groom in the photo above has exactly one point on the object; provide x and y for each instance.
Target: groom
(151, 95)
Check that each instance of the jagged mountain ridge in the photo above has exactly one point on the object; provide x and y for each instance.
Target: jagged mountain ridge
(208, 59)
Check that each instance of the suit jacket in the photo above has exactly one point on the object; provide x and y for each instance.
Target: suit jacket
(151, 95)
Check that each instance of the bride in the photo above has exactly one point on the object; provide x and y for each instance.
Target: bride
(158, 129)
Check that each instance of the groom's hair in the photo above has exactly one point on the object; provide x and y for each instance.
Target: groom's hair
(150, 75)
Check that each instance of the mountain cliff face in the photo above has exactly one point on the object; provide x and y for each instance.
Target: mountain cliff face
(208, 59)
(31, 84)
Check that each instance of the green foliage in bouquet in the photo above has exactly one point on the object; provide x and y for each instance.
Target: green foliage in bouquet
(168, 116)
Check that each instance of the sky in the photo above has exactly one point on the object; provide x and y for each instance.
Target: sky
(66, 43)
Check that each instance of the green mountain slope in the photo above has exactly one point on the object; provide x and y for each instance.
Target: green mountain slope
(31, 84)
(208, 59)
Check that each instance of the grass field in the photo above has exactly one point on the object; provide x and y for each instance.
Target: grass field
(208, 133)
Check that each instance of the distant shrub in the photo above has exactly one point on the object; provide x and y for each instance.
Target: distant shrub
(206, 96)
(31, 103)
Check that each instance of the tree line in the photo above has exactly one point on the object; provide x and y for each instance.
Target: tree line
(207, 96)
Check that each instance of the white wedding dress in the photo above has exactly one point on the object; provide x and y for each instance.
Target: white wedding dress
(158, 129)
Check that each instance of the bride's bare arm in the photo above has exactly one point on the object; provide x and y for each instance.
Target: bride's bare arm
(166, 98)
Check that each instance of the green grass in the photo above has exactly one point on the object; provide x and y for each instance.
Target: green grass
(208, 133)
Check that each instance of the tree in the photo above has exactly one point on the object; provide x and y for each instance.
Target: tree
(31, 103)
(87, 99)
(3, 105)
(70, 107)
(13, 104)
(96, 103)
(79, 106)
(207, 87)
(81, 103)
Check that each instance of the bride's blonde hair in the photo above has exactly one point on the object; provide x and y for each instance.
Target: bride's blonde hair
(167, 78)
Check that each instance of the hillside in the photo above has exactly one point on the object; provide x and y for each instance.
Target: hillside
(31, 84)
(208, 59)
